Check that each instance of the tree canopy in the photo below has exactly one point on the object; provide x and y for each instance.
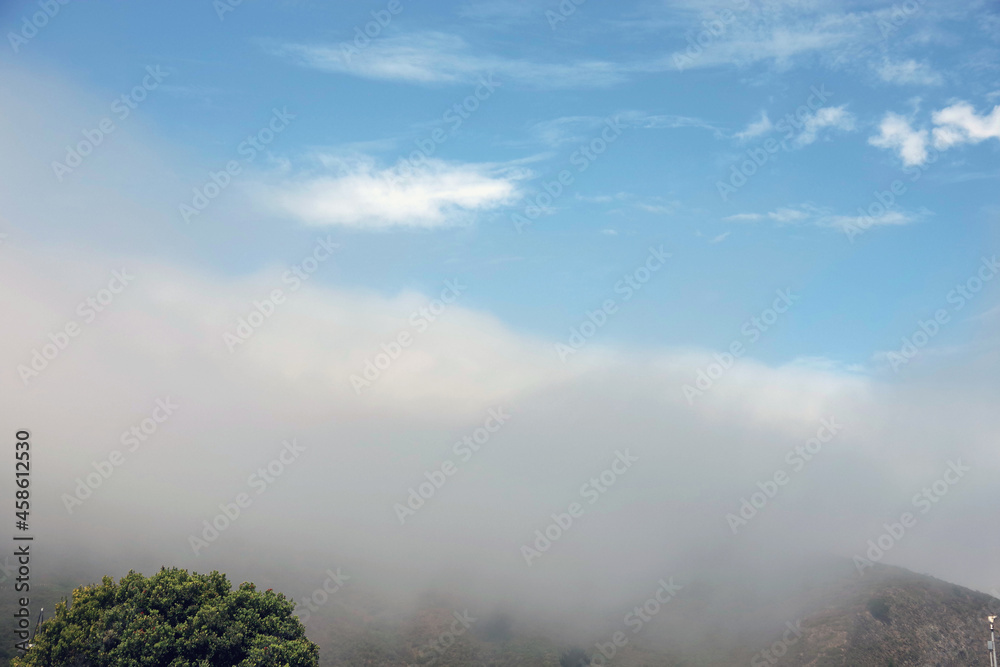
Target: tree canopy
(172, 619)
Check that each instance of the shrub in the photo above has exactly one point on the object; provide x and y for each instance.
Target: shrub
(879, 609)
(172, 619)
(575, 657)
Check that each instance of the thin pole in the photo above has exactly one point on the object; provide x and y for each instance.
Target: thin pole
(993, 645)
(35, 631)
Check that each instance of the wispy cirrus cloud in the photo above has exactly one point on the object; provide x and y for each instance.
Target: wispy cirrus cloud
(436, 57)
(779, 45)
(807, 214)
(782, 215)
(777, 34)
(889, 218)
(441, 57)
(756, 128)
(356, 193)
(808, 127)
(602, 199)
(787, 34)
(782, 34)
(569, 129)
(661, 209)
(744, 217)
(644, 121)
(909, 72)
(836, 118)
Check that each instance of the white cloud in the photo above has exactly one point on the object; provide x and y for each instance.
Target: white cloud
(657, 208)
(774, 40)
(837, 118)
(569, 129)
(438, 57)
(889, 218)
(720, 238)
(601, 199)
(781, 215)
(359, 195)
(758, 127)
(434, 57)
(820, 217)
(909, 72)
(566, 129)
(959, 124)
(787, 215)
(744, 217)
(896, 133)
(954, 125)
(644, 121)
(786, 33)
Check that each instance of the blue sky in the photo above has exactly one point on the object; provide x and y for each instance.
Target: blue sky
(689, 116)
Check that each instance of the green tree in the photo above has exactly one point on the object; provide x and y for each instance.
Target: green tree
(172, 619)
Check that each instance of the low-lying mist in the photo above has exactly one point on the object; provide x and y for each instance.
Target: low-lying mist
(477, 467)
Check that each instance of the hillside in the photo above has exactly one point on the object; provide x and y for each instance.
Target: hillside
(888, 617)
(895, 617)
